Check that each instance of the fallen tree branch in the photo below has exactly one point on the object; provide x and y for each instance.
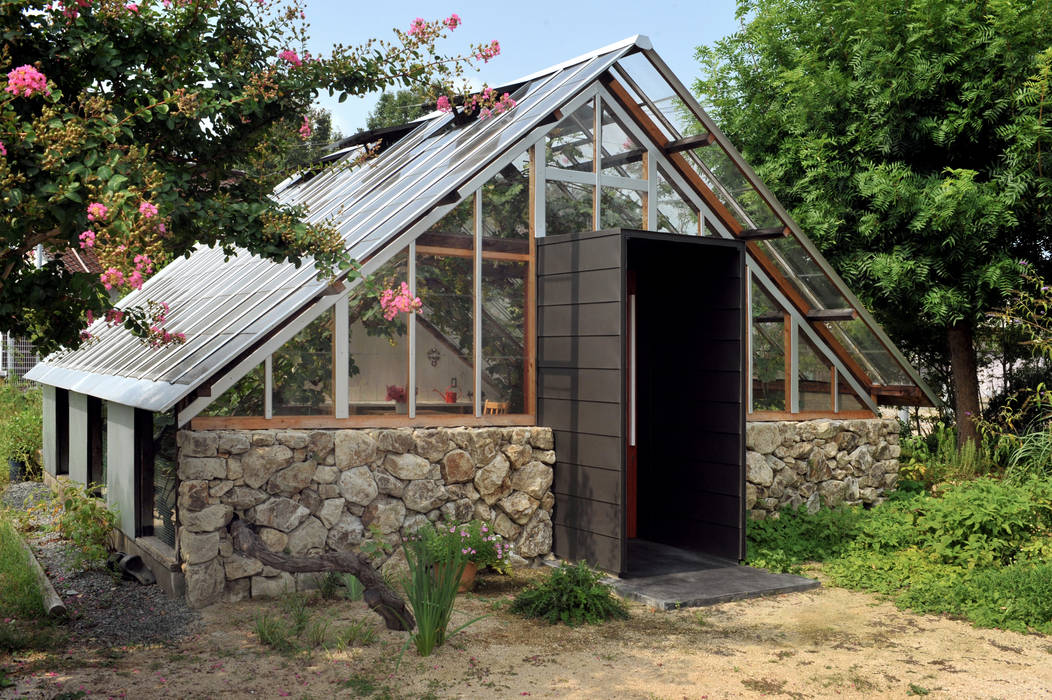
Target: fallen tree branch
(378, 595)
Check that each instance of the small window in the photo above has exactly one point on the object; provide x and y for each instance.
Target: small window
(768, 353)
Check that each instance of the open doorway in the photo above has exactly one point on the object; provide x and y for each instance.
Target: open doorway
(685, 433)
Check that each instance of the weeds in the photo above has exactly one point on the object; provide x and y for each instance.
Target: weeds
(352, 587)
(571, 595)
(20, 596)
(86, 522)
(358, 634)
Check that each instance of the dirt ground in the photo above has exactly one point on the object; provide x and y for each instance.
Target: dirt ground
(824, 643)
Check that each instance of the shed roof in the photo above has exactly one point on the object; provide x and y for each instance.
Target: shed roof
(228, 306)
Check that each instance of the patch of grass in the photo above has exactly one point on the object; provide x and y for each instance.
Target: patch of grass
(295, 606)
(316, 633)
(360, 684)
(360, 634)
(20, 596)
(571, 595)
(275, 633)
(352, 587)
(915, 689)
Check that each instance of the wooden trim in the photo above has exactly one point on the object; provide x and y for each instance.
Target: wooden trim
(689, 143)
(759, 416)
(462, 253)
(328, 422)
(763, 234)
(787, 348)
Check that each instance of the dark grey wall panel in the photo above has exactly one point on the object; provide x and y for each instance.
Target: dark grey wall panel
(597, 550)
(561, 254)
(579, 319)
(597, 352)
(588, 515)
(589, 450)
(586, 287)
(581, 384)
(590, 417)
(593, 483)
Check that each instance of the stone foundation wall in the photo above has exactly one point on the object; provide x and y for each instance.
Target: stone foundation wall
(819, 462)
(308, 492)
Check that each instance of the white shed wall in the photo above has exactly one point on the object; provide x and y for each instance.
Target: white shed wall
(48, 416)
(78, 437)
(120, 464)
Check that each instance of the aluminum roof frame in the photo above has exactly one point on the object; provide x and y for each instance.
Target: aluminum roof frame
(270, 293)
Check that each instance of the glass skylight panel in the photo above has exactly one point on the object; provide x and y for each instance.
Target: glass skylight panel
(801, 270)
(571, 145)
(869, 352)
(620, 208)
(568, 207)
(674, 213)
(621, 154)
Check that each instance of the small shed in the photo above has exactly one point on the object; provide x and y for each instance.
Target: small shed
(597, 264)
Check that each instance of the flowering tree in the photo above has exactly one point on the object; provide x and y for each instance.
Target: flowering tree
(137, 131)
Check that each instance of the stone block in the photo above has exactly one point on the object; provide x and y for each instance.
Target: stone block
(398, 441)
(234, 443)
(262, 438)
(504, 527)
(534, 479)
(261, 463)
(536, 539)
(457, 467)
(274, 540)
(407, 466)
(280, 513)
(207, 519)
(198, 547)
(757, 470)
(237, 566)
(293, 439)
(424, 495)
(327, 491)
(309, 538)
(320, 444)
(193, 495)
(330, 512)
(490, 479)
(386, 513)
(242, 497)
(518, 455)
(347, 533)
(357, 485)
(762, 437)
(519, 506)
(354, 448)
(309, 499)
(199, 444)
(459, 511)
(219, 488)
(389, 485)
(236, 591)
(291, 480)
(324, 474)
(480, 443)
(432, 445)
(542, 438)
(202, 468)
(832, 492)
(205, 583)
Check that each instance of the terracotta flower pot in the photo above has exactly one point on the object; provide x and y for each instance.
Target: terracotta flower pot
(467, 579)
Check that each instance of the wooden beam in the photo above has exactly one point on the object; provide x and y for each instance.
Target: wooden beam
(689, 143)
(762, 234)
(900, 395)
(758, 416)
(823, 315)
(378, 421)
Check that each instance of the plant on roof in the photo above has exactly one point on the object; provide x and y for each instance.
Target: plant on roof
(133, 133)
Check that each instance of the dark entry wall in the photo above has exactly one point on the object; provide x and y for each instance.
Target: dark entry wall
(580, 390)
(691, 475)
(690, 411)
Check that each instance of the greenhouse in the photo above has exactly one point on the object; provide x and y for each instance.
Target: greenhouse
(619, 327)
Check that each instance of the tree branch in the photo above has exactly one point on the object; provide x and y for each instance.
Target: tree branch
(378, 595)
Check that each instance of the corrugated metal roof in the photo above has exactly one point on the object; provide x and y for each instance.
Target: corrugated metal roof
(224, 306)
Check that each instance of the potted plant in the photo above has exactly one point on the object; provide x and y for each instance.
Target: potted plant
(475, 542)
(397, 394)
(21, 434)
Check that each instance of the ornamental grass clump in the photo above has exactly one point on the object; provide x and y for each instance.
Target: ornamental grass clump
(571, 595)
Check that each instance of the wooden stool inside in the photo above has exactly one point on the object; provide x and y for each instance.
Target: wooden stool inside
(493, 408)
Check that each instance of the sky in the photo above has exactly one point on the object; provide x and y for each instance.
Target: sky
(533, 34)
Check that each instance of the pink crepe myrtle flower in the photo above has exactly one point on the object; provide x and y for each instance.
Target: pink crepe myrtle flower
(443, 105)
(97, 211)
(394, 302)
(26, 81)
(291, 56)
(417, 26)
(111, 278)
(453, 21)
(305, 130)
(144, 263)
(135, 279)
(147, 209)
(488, 52)
(87, 239)
(131, 7)
(3, 149)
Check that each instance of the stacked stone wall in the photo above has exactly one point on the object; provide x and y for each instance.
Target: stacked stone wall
(308, 492)
(819, 462)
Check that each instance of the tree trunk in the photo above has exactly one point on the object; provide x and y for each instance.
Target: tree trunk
(965, 381)
(378, 596)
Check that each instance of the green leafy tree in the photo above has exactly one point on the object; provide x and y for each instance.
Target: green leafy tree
(403, 106)
(143, 130)
(911, 141)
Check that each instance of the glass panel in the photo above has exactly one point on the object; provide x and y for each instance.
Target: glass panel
(849, 400)
(302, 371)
(165, 479)
(621, 154)
(503, 336)
(674, 213)
(868, 351)
(815, 375)
(506, 209)
(445, 333)
(621, 209)
(797, 265)
(570, 145)
(768, 353)
(245, 398)
(568, 207)
(379, 355)
(455, 230)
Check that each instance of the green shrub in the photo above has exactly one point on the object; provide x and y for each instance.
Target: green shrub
(352, 587)
(983, 522)
(21, 431)
(796, 536)
(87, 523)
(571, 595)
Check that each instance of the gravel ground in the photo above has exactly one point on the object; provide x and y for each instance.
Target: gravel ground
(103, 609)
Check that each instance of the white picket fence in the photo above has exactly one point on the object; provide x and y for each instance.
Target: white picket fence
(18, 356)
